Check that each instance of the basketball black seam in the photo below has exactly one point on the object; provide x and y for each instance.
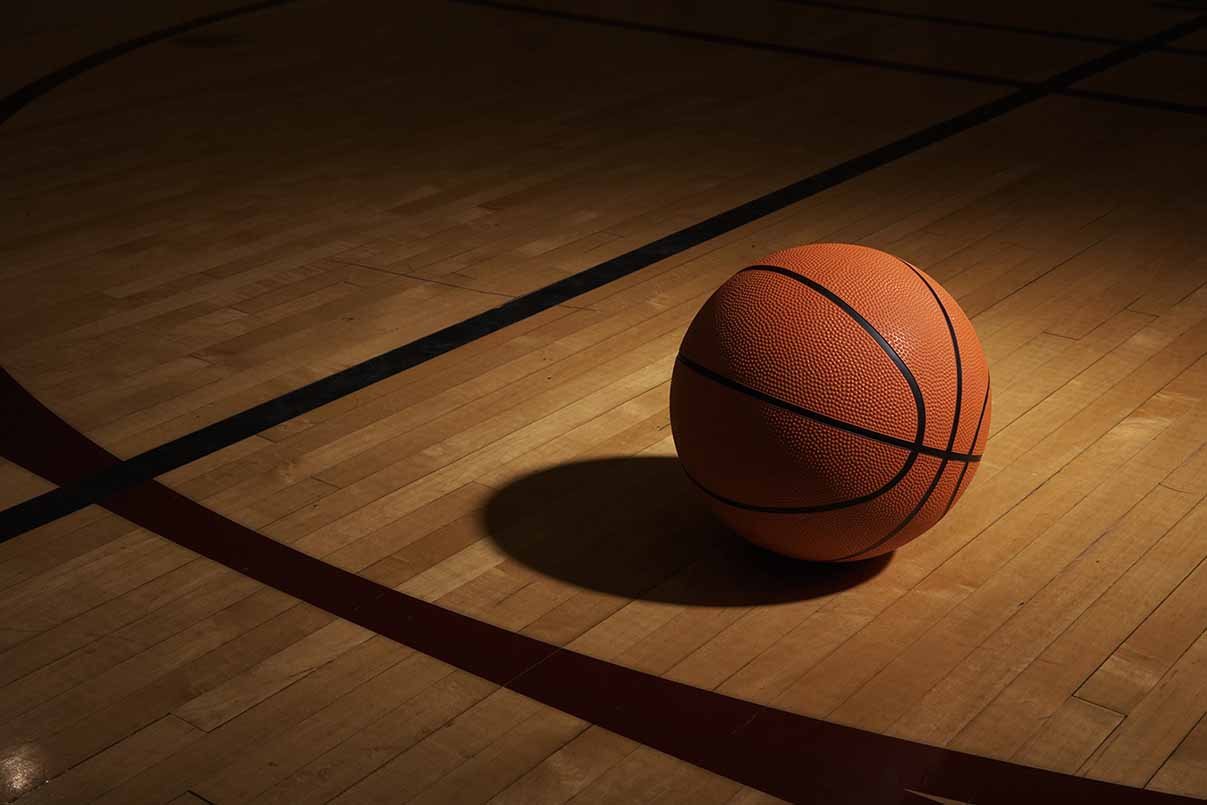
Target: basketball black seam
(955, 424)
(68, 498)
(762, 396)
(881, 341)
(822, 507)
(977, 432)
(887, 348)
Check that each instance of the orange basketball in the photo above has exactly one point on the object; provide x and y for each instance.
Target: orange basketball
(832, 401)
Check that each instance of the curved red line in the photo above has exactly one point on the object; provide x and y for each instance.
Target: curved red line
(791, 756)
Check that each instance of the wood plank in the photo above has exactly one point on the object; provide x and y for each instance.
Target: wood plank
(108, 769)
(1032, 701)
(242, 736)
(271, 761)
(218, 705)
(1066, 741)
(1183, 772)
(561, 776)
(1156, 725)
(169, 281)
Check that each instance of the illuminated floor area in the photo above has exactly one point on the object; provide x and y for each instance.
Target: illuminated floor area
(337, 463)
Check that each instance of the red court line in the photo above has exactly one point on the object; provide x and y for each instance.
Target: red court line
(795, 757)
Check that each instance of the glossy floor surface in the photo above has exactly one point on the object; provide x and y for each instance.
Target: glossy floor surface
(207, 242)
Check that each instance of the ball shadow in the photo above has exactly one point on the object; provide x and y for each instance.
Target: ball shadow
(635, 527)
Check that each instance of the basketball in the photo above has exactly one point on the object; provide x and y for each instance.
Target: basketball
(831, 402)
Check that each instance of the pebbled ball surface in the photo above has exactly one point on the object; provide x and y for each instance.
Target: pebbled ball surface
(804, 385)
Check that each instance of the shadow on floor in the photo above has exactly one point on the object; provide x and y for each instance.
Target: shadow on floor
(635, 527)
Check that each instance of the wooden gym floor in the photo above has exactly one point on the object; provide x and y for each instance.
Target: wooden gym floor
(348, 309)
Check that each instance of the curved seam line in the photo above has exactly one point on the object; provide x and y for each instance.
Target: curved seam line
(21, 97)
(66, 499)
(976, 433)
(734, 738)
(821, 507)
(883, 438)
(881, 341)
(955, 423)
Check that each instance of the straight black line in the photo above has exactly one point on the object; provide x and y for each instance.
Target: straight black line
(842, 58)
(981, 25)
(1142, 103)
(186, 449)
(752, 44)
(793, 757)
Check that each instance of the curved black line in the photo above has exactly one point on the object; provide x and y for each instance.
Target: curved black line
(821, 507)
(724, 739)
(955, 424)
(791, 756)
(980, 421)
(17, 100)
(886, 347)
(905, 444)
(958, 774)
(955, 348)
(919, 403)
(97, 486)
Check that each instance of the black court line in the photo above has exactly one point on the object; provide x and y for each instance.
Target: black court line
(981, 25)
(752, 44)
(843, 58)
(1142, 103)
(794, 757)
(212, 438)
(16, 101)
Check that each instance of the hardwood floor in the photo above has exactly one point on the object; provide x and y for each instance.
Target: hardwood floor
(217, 219)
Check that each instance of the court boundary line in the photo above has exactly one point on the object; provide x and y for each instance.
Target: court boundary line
(848, 58)
(731, 737)
(183, 450)
(18, 99)
(960, 22)
(786, 754)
